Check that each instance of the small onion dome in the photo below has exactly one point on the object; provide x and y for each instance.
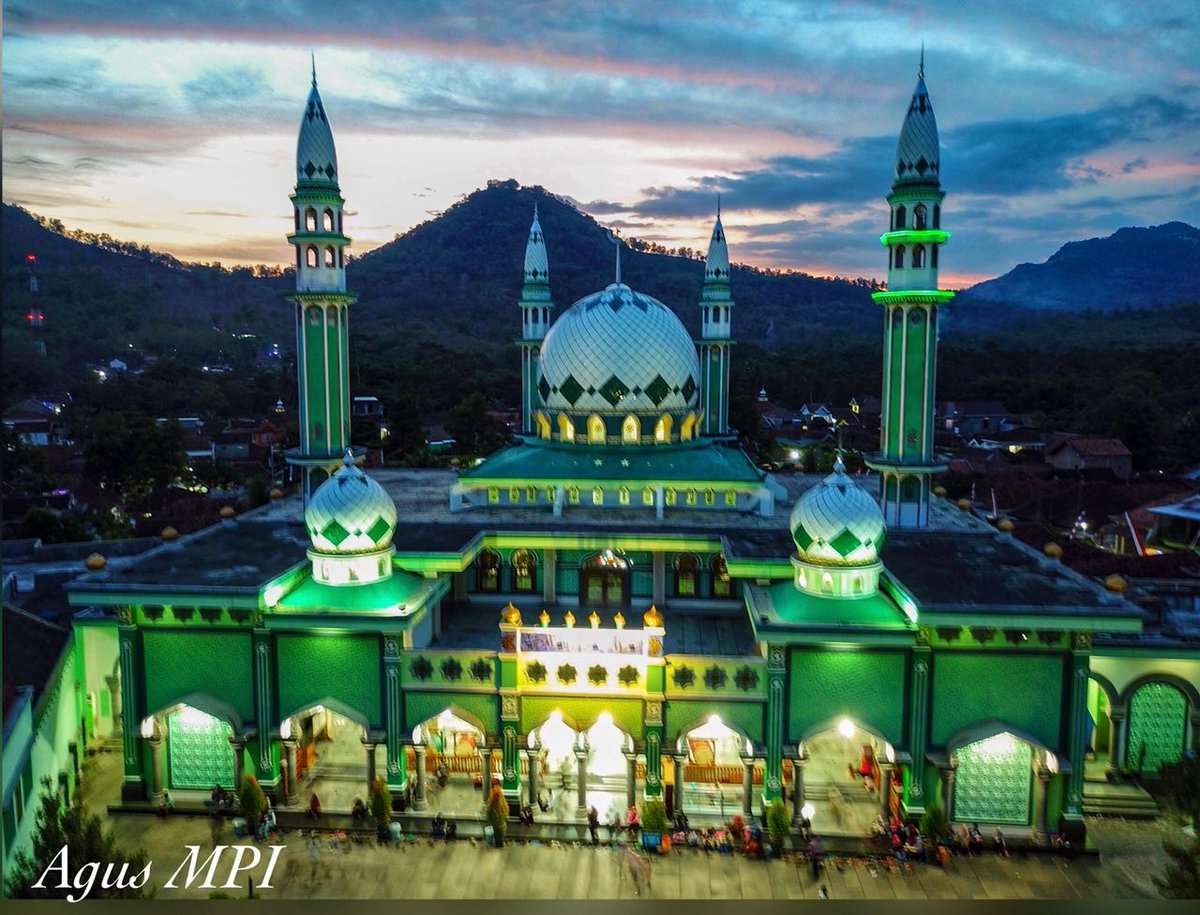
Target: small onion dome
(652, 618)
(455, 462)
(837, 522)
(619, 620)
(228, 511)
(350, 513)
(1116, 584)
(511, 615)
(544, 617)
(939, 491)
(1006, 525)
(95, 563)
(594, 619)
(169, 534)
(569, 619)
(1053, 550)
(964, 504)
(276, 493)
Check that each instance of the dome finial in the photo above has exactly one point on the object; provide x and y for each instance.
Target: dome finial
(921, 70)
(612, 236)
(718, 204)
(348, 458)
(314, 68)
(535, 212)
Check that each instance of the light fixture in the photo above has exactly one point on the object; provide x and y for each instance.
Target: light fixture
(285, 729)
(148, 727)
(807, 812)
(846, 728)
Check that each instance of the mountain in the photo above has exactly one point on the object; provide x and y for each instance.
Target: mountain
(1132, 268)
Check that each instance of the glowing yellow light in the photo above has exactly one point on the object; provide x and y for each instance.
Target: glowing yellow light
(619, 620)
(285, 729)
(594, 619)
(807, 811)
(272, 595)
(846, 728)
(569, 619)
(147, 727)
(544, 617)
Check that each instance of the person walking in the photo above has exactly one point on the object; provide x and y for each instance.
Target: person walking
(593, 820)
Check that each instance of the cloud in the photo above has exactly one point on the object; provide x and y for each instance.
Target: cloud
(1134, 165)
(228, 88)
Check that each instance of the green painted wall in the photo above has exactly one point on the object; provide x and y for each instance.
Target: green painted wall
(182, 662)
(1024, 692)
(314, 374)
(745, 716)
(914, 385)
(895, 345)
(626, 713)
(421, 706)
(336, 394)
(865, 686)
(338, 666)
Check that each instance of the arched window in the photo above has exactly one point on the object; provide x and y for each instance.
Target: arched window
(933, 250)
(623, 495)
(524, 565)
(328, 220)
(487, 571)
(595, 430)
(901, 216)
(330, 257)
(899, 256)
(937, 216)
(857, 585)
(566, 428)
(311, 257)
(919, 216)
(721, 585)
(687, 571)
(687, 427)
(310, 220)
(827, 583)
(543, 424)
(597, 495)
(918, 256)
(662, 429)
(631, 430)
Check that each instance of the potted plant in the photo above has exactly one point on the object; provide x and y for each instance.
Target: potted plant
(778, 825)
(935, 828)
(381, 808)
(253, 803)
(497, 815)
(654, 824)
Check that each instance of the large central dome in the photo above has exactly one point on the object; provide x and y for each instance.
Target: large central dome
(619, 351)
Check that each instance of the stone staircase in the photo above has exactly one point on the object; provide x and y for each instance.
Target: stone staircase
(1117, 799)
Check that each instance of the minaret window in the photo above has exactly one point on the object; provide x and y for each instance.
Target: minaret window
(937, 216)
(487, 568)
(899, 256)
(311, 257)
(310, 220)
(919, 216)
(329, 220)
(595, 430)
(330, 258)
(631, 430)
(566, 428)
(918, 256)
(901, 216)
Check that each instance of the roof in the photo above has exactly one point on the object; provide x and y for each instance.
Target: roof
(32, 648)
(716, 265)
(1189, 508)
(537, 263)
(385, 597)
(784, 606)
(974, 408)
(540, 461)
(316, 156)
(1093, 447)
(917, 152)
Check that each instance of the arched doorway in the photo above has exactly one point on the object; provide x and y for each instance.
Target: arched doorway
(555, 743)
(993, 781)
(604, 580)
(452, 763)
(843, 767)
(713, 769)
(332, 759)
(199, 752)
(1100, 729)
(1158, 713)
(608, 775)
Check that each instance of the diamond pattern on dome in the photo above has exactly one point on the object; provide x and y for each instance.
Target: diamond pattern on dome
(379, 529)
(334, 532)
(658, 390)
(571, 389)
(591, 391)
(613, 390)
(800, 535)
(845, 543)
(544, 388)
(689, 388)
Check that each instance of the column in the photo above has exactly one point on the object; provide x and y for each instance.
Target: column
(264, 705)
(581, 787)
(653, 718)
(680, 761)
(798, 790)
(156, 770)
(550, 577)
(1081, 647)
(369, 746)
(1040, 826)
(885, 788)
(130, 661)
(510, 747)
(776, 701)
(918, 715)
(1195, 741)
(419, 800)
(239, 746)
(1118, 716)
(659, 566)
(948, 776)
(485, 771)
(747, 787)
(533, 761)
(630, 779)
(659, 501)
(291, 770)
(393, 716)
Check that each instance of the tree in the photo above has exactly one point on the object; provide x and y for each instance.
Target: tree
(1181, 880)
(381, 806)
(778, 824)
(497, 814)
(253, 801)
(58, 826)
(474, 430)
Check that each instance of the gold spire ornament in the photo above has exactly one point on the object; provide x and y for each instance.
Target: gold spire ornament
(652, 618)
(544, 617)
(619, 620)
(569, 620)
(511, 615)
(594, 619)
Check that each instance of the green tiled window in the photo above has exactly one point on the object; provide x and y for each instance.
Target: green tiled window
(1157, 726)
(199, 751)
(994, 781)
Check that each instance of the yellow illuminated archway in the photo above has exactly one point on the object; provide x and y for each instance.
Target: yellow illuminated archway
(595, 430)
(566, 428)
(631, 430)
(662, 429)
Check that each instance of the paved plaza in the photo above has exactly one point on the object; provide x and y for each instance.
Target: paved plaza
(1130, 854)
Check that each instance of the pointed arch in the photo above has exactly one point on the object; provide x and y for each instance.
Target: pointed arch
(899, 256)
(662, 429)
(330, 257)
(310, 219)
(311, 257)
(596, 433)
(566, 428)
(543, 424)
(919, 216)
(336, 705)
(918, 256)
(210, 705)
(687, 427)
(329, 221)
(631, 430)
(901, 216)
(458, 712)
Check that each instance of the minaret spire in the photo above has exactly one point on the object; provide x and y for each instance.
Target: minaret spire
(716, 315)
(921, 70)
(536, 306)
(314, 68)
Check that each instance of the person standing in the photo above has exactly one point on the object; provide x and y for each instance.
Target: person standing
(593, 821)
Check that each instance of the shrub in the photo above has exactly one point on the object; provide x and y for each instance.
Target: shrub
(779, 824)
(654, 817)
(381, 803)
(252, 800)
(934, 825)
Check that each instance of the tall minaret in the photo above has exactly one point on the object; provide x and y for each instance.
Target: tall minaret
(536, 307)
(322, 302)
(906, 461)
(716, 310)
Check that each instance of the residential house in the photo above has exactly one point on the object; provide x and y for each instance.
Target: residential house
(1084, 454)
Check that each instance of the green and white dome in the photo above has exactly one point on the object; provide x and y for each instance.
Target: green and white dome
(316, 156)
(838, 523)
(350, 513)
(619, 352)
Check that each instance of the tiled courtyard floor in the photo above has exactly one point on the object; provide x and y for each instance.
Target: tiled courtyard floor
(1130, 855)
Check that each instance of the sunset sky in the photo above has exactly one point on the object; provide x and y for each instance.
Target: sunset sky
(174, 123)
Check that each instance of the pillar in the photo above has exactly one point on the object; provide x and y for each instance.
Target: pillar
(1118, 715)
(798, 790)
(510, 747)
(747, 787)
(581, 787)
(550, 577)
(776, 701)
(885, 788)
(680, 761)
(485, 771)
(653, 718)
(659, 502)
(393, 716)
(1040, 826)
(948, 777)
(369, 746)
(1081, 649)
(239, 746)
(1195, 741)
(533, 761)
(630, 779)
(130, 661)
(264, 706)
(659, 566)
(420, 802)
(156, 771)
(918, 716)
(291, 770)
(459, 586)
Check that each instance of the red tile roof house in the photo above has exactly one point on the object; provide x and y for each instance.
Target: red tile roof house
(1092, 454)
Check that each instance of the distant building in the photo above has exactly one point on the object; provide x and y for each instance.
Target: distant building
(1091, 454)
(1014, 441)
(35, 423)
(366, 407)
(1176, 526)
(966, 418)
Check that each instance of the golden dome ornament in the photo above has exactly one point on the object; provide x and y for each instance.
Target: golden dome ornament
(227, 512)
(544, 617)
(594, 619)
(95, 563)
(652, 619)
(169, 534)
(569, 620)
(1116, 584)
(619, 620)
(1053, 550)
(511, 615)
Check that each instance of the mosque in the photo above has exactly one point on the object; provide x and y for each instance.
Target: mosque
(620, 604)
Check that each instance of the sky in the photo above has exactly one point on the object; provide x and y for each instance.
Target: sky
(174, 123)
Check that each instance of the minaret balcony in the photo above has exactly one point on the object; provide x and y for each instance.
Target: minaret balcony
(319, 238)
(915, 237)
(916, 296)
